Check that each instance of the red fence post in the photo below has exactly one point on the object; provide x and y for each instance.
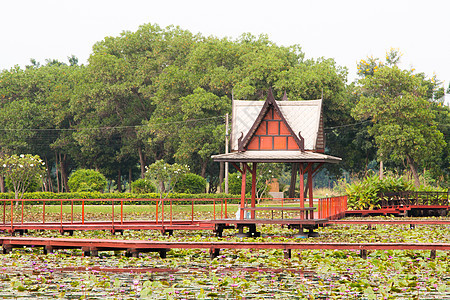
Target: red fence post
(12, 214)
(82, 211)
(22, 213)
(192, 211)
(43, 212)
(112, 211)
(156, 209)
(171, 211)
(320, 208)
(226, 209)
(121, 211)
(162, 211)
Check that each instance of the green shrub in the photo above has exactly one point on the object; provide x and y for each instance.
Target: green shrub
(365, 194)
(126, 196)
(235, 184)
(191, 184)
(85, 180)
(142, 186)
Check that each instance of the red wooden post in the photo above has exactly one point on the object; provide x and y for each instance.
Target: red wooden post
(171, 211)
(82, 211)
(226, 209)
(162, 211)
(71, 214)
(4, 211)
(156, 208)
(43, 212)
(22, 213)
(192, 211)
(12, 214)
(319, 209)
(310, 185)
(121, 211)
(214, 209)
(61, 211)
(244, 178)
(253, 199)
(112, 211)
(301, 173)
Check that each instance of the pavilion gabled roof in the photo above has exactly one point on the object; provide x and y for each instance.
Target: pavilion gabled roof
(303, 119)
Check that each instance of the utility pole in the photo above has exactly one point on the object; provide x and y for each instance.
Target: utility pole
(226, 151)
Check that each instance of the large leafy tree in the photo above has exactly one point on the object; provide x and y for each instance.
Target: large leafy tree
(404, 126)
(203, 133)
(35, 115)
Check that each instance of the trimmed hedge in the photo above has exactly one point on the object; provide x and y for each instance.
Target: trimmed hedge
(97, 195)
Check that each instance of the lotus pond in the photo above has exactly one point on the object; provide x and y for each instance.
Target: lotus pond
(236, 274)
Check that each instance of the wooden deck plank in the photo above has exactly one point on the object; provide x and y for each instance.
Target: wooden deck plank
(143, 244)
(270, 221)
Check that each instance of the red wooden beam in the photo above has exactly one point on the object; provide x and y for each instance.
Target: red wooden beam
(103, 244)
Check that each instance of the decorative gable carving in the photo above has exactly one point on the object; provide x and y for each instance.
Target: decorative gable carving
(271, 131)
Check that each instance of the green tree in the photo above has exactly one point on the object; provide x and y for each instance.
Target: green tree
(35, 114)
(404, 126)
(21, 171)
(202, 135)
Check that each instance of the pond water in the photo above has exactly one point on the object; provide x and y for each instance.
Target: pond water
(235, 274)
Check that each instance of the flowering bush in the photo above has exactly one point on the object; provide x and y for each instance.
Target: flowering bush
(165, 175)
(21, 170)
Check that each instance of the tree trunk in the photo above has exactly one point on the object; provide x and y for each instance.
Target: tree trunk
(119, 182)
(2, 184)
(142, 162)
(130, 178)
(162, 188)
(49, 185)
(64, 177)
(204, 165)
(58, 188)
(413, 167)
(293, 180)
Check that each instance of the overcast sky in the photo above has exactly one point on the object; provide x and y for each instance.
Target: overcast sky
(344, 30)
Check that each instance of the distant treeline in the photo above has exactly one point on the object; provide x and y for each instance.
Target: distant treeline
(163, 93)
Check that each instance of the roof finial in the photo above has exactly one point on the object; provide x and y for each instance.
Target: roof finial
(270, 97)
(285, 98)
(322, 95)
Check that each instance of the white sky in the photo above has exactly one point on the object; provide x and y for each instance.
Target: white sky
(344, 30)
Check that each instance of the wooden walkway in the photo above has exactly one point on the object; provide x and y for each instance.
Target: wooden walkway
(113, 227)
(391, 222)
(134, 247)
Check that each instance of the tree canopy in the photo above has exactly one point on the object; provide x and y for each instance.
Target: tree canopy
(162, 93)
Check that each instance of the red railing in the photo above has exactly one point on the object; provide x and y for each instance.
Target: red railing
(13, 210)
(332, 208)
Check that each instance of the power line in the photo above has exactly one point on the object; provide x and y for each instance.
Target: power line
(347, 125)
(111, 127)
